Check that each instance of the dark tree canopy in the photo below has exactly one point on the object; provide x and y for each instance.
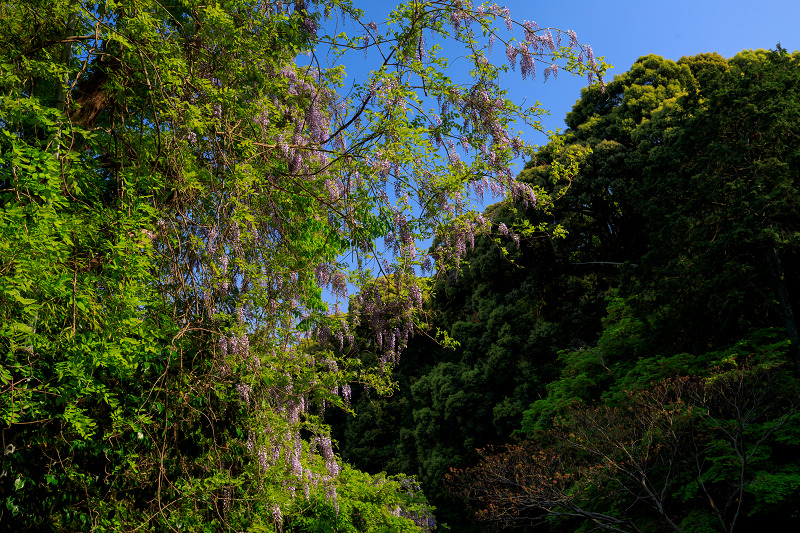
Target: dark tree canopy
(653, 301)
(682, 415)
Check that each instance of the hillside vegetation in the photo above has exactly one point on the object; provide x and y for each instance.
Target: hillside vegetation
(638, 373)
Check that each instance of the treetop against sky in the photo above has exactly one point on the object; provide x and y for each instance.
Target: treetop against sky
(624, 30)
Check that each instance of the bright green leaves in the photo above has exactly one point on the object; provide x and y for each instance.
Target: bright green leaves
(76, 417)
(628, 100)
(365, 503)
(75, 286)
(165, 240)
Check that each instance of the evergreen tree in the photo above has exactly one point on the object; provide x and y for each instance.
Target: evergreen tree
(683, 415)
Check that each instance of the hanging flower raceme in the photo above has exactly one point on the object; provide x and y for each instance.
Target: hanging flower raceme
(285, 179)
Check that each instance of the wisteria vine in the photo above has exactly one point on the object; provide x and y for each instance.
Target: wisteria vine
(304, 178)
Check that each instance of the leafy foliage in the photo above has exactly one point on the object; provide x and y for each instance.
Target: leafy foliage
(179, 183)
(507, 309)
(677, 413)
(659, 460)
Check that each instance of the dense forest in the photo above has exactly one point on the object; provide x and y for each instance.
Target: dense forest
(638, 371)
(216, 313)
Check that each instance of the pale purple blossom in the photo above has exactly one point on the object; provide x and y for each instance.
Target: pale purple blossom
(240, 346)
(296, 467)
(573, 38)
(277, 517)
(526, 62)
(255, 363)
(316, 123)
(455, 19)
(323, 334)
(335, 500)
(223, 345)
(323, 273)
(226, 500)
(548, 41)
(244, 393)
(427, 265)
(339, 284)
(340, 338)
(511, 54)
(523, 193)
(310, 25)
(517, 145)
(346, 393)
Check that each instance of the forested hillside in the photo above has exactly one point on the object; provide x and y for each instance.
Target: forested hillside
(216, 313)
(638, 373)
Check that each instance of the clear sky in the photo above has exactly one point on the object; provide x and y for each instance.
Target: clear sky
(624, 30)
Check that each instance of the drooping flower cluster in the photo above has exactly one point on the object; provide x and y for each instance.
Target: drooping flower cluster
(387, 310)
(300, 176)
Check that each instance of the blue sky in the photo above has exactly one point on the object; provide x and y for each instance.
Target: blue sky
(623, 30)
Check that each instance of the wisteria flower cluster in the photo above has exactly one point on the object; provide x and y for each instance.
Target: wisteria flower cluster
(305, 178)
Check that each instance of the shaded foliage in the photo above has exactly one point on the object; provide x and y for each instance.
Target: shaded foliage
(676, 255)
(509, 309)
(682, 452)
(699, 213)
